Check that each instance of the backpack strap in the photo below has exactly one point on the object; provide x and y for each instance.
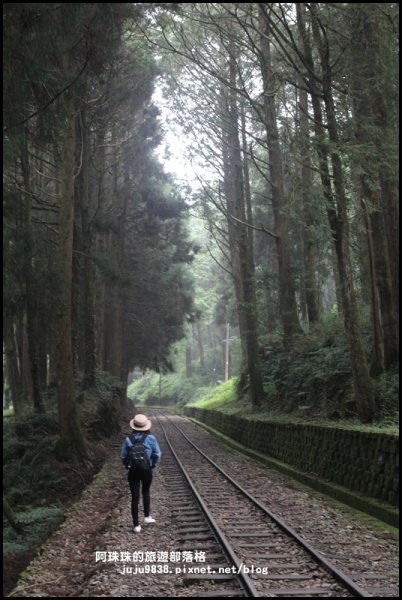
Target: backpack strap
(133, 441)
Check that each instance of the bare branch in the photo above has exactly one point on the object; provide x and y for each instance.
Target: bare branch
(218, 263)
(257, 228)
(68, 86)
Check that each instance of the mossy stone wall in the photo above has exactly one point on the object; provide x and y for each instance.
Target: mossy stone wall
(367, 463)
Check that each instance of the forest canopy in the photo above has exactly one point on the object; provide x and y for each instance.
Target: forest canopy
(284, 215)
(95, 245)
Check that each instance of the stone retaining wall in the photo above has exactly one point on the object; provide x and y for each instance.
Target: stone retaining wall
(367, 463)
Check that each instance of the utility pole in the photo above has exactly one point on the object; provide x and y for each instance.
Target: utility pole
(227, 353)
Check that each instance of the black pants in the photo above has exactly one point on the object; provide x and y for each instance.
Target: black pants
(135, 479)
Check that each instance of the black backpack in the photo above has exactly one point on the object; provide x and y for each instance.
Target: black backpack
(137, 455)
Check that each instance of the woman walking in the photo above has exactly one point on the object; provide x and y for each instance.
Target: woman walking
(140, 453)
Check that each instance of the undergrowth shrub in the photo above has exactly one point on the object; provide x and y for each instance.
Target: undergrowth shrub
(36, 425)
(386, 388)
(37, 524)
(313, 374)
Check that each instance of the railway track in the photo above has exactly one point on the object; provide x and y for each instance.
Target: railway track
(249, 551)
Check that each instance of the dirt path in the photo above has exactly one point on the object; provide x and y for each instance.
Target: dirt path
(66, 558)
(100, 522)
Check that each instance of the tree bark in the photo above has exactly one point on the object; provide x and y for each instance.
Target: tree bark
(12, 367)
(112, 317)
(371, 123)
(232, 225)
(198, 335)
(30, 291)
(338, 219)
(87, 248)
(189, 364)
(309, 244)
(287, 300)
(13, 373)
(71, 444)
(100, 249)
(43, 363)
(236, 207)
(26, 371)
(77, 322)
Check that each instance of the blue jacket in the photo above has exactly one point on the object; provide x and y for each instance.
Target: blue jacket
(150, 444)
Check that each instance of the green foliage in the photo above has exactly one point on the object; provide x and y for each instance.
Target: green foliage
(36, 484)
(177, 389)
(314, 375)
(312, 378)
(188, 390)
(157, 253)
(36, 425)
(219, 396)
(386, 388)
(30, 470)
(14, 448)
(194, 395)
(37, 523)
(106, 222)
(100, 406)
(142, 386)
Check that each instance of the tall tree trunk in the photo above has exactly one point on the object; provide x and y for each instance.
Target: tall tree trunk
(77, 322)
(71, 444)
(13, 373)
(30, 291)
(370, 108)
(117, 359)
(338, 219)
(226, 353)
(309, 244)
(237, 209)
(87, 243)
(189, 364)
(121, 262)
(287, 300)
(109, 322)
(26, 371)
(52, 374)
(100, 249)
(247, 197)
(43, 363)
(12, 368)
(232, 225)
(200, 345)
(390, 202)
(300, 271)
(112, 316)
(320, 140)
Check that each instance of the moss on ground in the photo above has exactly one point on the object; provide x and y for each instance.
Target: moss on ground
(218, 397)
(224, 398)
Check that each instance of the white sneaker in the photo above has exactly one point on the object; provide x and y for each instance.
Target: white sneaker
(149, 520)
(137, 529)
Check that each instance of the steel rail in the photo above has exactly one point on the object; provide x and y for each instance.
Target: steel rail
(339, 575)
(244, 580)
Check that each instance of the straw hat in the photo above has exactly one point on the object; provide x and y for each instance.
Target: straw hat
(140, 423)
